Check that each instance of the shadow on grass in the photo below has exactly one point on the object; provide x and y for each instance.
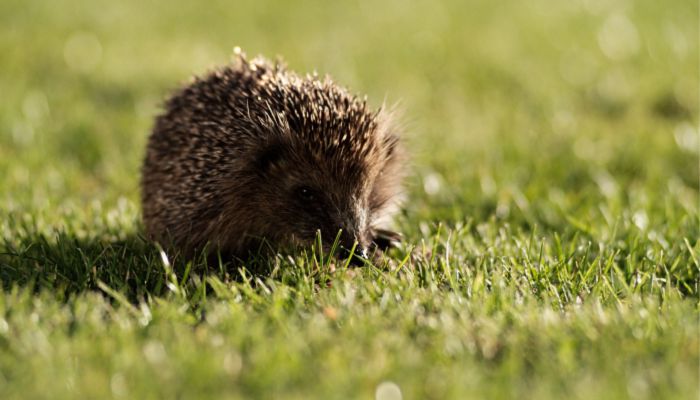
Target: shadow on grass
(133, 266)
(67, 264)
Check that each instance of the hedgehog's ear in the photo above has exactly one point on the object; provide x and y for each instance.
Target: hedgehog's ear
(268, 156)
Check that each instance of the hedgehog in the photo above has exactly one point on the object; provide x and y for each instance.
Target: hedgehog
(253, 156)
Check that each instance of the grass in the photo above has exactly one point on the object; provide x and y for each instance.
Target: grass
(551, 223)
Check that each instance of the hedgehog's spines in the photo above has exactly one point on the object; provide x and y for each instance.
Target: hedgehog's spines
(209, 159)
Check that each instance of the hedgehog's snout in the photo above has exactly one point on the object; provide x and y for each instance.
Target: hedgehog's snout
(357, 256)
(349, 240)
(354, 242)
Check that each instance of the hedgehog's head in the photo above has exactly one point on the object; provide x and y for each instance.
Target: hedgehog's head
(325, 163)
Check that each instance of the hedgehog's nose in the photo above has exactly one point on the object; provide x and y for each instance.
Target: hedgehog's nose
(349, 241)
(357, 257)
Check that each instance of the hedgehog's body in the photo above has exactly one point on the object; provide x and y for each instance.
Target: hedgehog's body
(254, 153)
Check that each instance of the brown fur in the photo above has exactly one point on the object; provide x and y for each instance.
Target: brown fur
(254, 152)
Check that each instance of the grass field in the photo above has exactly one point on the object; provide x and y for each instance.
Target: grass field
(551, 224)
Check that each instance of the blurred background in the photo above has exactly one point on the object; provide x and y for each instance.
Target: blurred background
(538, 113)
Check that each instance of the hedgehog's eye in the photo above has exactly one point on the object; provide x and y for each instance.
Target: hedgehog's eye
(305, 193)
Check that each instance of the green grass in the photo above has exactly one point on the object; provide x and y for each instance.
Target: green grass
(551, 224)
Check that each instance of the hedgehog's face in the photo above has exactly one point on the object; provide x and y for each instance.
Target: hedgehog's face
(306, 191)
(335, 213)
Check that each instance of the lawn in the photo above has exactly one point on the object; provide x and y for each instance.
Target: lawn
(551, 220)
